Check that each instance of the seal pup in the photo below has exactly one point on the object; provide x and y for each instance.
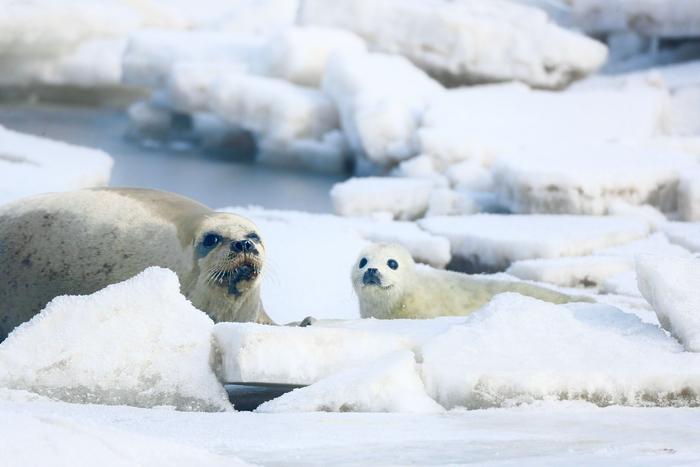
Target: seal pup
(389, 285)
(79, 242)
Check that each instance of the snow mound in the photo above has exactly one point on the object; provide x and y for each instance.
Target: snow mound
(518, 350)
(689, 196)
(30, 165)
(587, 178)
(294, 355)
(69, 441)
(389, 384)
(138, 342)
(380, 99)
(403, 198)
(672, 287)
(494, 241)
(466, 42)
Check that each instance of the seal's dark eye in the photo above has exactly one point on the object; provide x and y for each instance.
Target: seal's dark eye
(392, 264)
(210, 240)
(363, 263)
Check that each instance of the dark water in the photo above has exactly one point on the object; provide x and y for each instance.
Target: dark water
(211, 179)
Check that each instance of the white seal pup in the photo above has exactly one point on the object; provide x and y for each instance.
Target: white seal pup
(79, 242)
(389, 285)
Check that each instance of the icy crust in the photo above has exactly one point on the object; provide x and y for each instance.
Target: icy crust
(466, 42)
(30, 165)
(69, 441)
(569, 179)
(138, 342)
(381, 99)
(494, 241)
(670, 18)
(518, 350)
(672, 287)
(293, 355)
(389, 384)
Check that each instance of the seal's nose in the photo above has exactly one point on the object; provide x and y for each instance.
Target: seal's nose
(242, 246)
(371, 276)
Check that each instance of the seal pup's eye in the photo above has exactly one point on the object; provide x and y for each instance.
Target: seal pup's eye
(210, 240)
(363, 263)
(392, 264)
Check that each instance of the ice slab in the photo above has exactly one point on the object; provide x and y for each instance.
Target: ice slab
(672, 287)
(389, 384)
(403, 198)
(30, 165)
(494, 241)
(685, 234)
(689, 195)
(295, 355)
(518, 350)
(467, 42)
(380, 99)
(576, 271)
(138, 342)
(588, 178)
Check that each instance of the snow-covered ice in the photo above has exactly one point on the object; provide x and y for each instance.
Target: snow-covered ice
(576, 271)
(672, 287)
(380, 99)
(403, 198)
(30, 165)
(689, 195)
(388, 384)
(588, 178)
(517, 349)
(138, 342)
(296, 355)
(466, 42)
(494, 241)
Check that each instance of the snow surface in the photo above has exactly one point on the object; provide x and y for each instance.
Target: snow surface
(69, 441)
(466, 42)
(296, 355)
(387, 384)
(575, 271)
(138, 342)
(494, 241)
(685, 234)
(591, 352)
(672, 287)
(30, 165)
(689, 195)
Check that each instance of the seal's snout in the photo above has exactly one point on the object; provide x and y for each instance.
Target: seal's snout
(371, 277)
(243, 246)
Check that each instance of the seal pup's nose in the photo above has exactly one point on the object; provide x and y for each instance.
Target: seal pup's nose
(242, 246)
(371, 276)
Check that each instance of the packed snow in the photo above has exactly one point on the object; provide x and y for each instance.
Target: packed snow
(30, 165)
(138, 342)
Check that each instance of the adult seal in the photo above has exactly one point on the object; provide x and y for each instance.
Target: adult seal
(389, 285)
(79, 242)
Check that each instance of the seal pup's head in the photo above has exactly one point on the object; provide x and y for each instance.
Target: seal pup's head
(380, 277)
(230, 255)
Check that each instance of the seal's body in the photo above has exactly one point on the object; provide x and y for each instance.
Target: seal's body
(389, 285)
(79, 242)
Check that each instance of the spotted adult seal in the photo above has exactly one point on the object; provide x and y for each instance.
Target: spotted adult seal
(79, 242)
(390, 285)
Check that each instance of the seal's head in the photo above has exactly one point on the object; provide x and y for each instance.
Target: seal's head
(380, 276)
(230, 254)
